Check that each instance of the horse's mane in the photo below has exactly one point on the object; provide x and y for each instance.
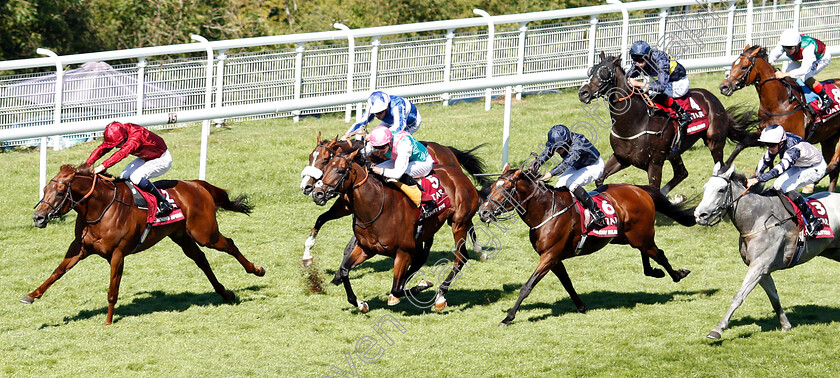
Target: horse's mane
(762, 52)
(83, 169)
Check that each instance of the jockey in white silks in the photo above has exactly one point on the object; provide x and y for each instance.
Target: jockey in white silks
(406, 156)
(801, 164)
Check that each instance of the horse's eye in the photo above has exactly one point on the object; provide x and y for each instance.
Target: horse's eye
(721, 190)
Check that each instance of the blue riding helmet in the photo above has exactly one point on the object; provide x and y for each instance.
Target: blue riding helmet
(558, 136)
(639, 49)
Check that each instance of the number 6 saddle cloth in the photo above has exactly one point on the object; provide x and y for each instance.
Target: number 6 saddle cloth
(608, 231)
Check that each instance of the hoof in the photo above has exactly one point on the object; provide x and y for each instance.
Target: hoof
(484, 257)
(363, 307)
(424, 284)
(259, 271)
(503, 324)
(440, 305)
(714, 335)
(306, 263)
(808, 189)
(229, 296)
(656, 273)
(678, 199)
(392, 300)
(27, 299)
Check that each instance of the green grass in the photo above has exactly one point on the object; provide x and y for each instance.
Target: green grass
(169, 321)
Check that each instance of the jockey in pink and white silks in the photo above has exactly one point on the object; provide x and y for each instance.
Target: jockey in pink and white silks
(801, 164)
(808, 57)
(395, 112)
(406, 157)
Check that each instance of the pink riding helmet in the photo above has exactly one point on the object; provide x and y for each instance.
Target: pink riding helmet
(380, 136)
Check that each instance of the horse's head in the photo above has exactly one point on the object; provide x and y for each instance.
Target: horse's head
(602, 78)
(742, 72)
(717, 196)
(58, 195)
(336, 170)
(324, 150)
(505, 194)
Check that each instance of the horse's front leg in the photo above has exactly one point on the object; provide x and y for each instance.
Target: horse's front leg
(74, 253)
(337, 210)
(560, 271)
(769, 287)
(542, 268)
(680, 174)
(655, 173)
(459, 231)
(611, 167)
(754, 274)
(356, 257)
(117, 262)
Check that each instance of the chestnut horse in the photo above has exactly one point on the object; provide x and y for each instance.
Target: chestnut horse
(782, 102)
(444, 155)
(556, 226)
(110, 225)
(384, 222)
(641, 136)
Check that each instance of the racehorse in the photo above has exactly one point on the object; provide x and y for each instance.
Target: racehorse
(444, 155)
(642, 138)
(782, 102)
(384, 222)
(109, 225)
(556, 229)
(768, 234)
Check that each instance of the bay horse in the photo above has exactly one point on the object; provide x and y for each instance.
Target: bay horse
(768, 234)
(384, 221)
(555, 228)
(782, 102)
(110, 225)
(642, 138)
(444, 155)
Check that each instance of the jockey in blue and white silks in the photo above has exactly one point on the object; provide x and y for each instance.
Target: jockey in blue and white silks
(395, 112)
(582, 164)
(801, 164)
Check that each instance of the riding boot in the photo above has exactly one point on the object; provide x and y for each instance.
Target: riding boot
(814, 223)
(598, 219)
(827, 102)
(164, 208)
(412, 191)
(683, 119)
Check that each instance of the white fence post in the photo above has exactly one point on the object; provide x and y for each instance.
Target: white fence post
(298, 77)
(625, 28)
(663, 26)
(208, 93)
(220, 84)
(59, 89)
(506, 127)
(491, 35)
(520, 59)
(730, 27)
(141, 79)
(593, 29)
(351, 62)
(797, 9)
(447, 64)
(749, 26)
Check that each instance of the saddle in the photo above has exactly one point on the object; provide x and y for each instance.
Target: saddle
(608, 231)
(817, 208)
(146, 201)
(699, 116)
(814, 102)
(432, 190)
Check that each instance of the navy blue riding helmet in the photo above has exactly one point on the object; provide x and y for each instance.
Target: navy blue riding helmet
(639, 50)
(559, 136)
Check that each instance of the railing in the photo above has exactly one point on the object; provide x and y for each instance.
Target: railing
(317, 72)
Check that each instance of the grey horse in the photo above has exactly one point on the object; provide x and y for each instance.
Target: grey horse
(768, 234)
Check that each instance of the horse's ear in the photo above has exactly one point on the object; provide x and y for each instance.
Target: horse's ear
(747, 48)
(353, 154)
(506, 167)
(603, 56)
(616, 61)
(319, 137)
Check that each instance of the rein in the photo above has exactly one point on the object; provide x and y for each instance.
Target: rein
(610, 81)
(742, 82)
(73, 203)
(730, 203)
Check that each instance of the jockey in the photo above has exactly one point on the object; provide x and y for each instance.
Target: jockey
(153, 158)
(395, 112)
(808, 57)
(582, 164)
(406, 156)
(801, 164)
(668, 81)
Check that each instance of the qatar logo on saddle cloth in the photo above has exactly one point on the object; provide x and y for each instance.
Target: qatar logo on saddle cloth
(832, 90)
(432, 190)
(608, 231)
(820, 211)
(699, 116)
(151, 203)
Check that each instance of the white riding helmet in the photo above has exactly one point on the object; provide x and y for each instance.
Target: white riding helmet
(378, 101)
(773, 134)
(790, 37)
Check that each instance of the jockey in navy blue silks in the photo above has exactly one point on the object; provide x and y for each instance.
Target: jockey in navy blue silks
(582, 164)
(395, 112)
(669, 81)
(801, 164)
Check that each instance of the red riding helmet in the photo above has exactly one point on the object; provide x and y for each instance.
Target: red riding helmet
(115, 133)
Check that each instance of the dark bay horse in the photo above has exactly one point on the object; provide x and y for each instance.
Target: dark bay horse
(642, 138)
(444, 155)
(768, 235)
(556, 227)
(782, 102)
(110, 225)
(384, 222)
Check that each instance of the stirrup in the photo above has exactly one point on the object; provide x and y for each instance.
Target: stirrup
(813, 228)
(596, 222)
(164, 210)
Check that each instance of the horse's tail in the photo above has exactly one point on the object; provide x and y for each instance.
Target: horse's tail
(743, 123)
(223, 201)
(679, 213)
(475, 167)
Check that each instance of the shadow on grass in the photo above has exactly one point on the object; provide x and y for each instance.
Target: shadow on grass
(797, 315)
(458, 300)
(607, 300)
(148, 302)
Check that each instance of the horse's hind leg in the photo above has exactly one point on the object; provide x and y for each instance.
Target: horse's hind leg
(193, 252)
(459, 231)
(212, 238)
(680, 173)
(754, 275)
(649, 270)
(73, 255)
(658, 255)
(769, 287)
(560, 271)
(612, 166)
(402, 260)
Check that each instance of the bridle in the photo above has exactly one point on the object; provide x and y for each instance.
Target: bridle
(334, 187)
(68, 196)
(604, 83)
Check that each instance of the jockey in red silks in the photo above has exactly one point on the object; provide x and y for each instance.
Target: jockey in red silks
(153, 158)
(808, 57)
(406, 157)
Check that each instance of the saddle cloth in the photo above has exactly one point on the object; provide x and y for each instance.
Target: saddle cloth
(608, 231)
(699, 116)
(148, 202)
(819, 210)
(832, 90)
(433, 190)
